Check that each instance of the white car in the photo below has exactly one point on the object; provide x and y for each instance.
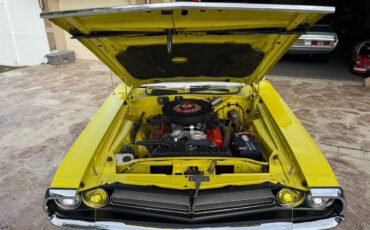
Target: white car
(319, 40)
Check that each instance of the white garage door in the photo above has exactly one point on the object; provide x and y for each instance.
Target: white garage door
(23, 38)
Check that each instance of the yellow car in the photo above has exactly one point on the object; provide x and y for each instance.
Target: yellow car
(194, 136)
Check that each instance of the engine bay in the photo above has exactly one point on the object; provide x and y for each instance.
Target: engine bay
(189, 127)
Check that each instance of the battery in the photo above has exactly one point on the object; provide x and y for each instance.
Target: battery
(246, 145)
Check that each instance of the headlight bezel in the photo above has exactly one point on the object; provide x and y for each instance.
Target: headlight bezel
(309, 200)
(59, 202)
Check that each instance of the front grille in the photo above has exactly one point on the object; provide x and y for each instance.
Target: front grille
(182, 201)
(232, 199)
(172, 201)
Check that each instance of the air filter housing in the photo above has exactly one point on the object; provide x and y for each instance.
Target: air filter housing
(187, 111)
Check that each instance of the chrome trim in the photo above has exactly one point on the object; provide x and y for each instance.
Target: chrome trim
(325, 192)
(319, 36)
(54, 193)
(62, 206)
(359, 69)
(329, 202)
(67, 192)
(80, 224)
(190, 5)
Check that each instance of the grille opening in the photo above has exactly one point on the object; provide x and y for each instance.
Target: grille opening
(220, 169)
(161, 169)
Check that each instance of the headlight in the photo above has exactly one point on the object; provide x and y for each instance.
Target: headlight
(289, 198)
(96, 198)
(318, 202)
(68, 202)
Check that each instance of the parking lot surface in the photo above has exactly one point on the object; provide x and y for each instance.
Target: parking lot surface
(44, 108)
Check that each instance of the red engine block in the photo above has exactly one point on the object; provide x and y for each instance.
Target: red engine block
(215, 135)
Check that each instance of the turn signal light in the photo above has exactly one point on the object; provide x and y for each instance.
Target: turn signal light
(289, 198)
(96, 198)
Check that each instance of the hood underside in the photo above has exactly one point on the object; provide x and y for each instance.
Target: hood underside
(186, 41)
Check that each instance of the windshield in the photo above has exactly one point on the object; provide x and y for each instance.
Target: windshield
(365, 50)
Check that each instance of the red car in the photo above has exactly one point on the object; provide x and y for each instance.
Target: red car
(361, 58)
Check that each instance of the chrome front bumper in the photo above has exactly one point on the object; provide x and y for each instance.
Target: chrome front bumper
(317, 224)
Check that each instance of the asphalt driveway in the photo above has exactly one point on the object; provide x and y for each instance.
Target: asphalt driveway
(44, 108)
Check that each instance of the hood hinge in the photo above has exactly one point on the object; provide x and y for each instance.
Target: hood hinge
(255, 96)
(129, 98)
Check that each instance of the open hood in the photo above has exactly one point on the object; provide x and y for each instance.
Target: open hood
(189, 41)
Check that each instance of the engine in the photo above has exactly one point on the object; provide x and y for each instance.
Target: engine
(190, 127)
